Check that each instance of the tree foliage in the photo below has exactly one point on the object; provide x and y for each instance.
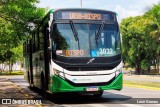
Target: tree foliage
(141, 39)
(16, 16)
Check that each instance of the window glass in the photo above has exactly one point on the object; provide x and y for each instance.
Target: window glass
(41, 38)
(89, 44)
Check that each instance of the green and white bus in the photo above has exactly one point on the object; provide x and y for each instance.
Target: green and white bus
(75, 50)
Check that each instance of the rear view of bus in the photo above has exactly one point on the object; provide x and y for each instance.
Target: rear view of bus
(85, 52)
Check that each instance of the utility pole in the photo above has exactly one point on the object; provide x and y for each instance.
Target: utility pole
(81, 3)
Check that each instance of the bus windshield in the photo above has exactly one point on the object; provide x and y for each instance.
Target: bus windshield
(86, 43)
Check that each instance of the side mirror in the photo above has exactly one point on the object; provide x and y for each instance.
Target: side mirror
(50, 45)
(49, 48)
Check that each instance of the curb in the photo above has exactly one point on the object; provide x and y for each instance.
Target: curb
(20, 90)
(143, 87)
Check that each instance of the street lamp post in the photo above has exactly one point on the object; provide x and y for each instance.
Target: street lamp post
(81, 3)
(159, 57)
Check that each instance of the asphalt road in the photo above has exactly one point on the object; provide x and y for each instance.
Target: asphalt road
(16, 87)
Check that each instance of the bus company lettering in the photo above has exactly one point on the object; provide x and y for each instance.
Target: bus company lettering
(84, 79)
(74, 52)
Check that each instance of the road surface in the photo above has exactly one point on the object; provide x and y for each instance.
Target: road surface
(15, 87)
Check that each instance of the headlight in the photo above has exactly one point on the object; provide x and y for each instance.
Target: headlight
(59, 73)
(118, 71)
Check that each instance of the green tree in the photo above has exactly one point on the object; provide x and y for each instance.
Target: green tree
(16, 16)
(131, 42)
(138, 45)
(154, 26)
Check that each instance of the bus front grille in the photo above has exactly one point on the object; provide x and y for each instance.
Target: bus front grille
(89, 68)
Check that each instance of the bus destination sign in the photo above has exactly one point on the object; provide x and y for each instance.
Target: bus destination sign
(81, 15)
(89, 16)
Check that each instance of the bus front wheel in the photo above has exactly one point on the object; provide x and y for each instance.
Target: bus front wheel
(98, 95)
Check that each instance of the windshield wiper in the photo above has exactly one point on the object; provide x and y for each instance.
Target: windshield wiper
(74, 32)
(100, 30)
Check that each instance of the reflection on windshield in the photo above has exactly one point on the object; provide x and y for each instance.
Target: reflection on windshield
(61, 41)
(107, 44)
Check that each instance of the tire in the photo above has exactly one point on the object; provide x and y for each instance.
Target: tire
(43, 90)
(31, 87)
(28, 77)
(42, 82)
(98, 95)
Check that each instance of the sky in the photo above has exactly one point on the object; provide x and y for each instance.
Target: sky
(124, 8)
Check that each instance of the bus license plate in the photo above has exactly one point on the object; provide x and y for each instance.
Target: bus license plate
(92, 89)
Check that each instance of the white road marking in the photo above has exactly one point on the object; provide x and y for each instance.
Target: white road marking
(74, 105)
(130, 93)
(96, 105)
(158, 105)
(131, 105)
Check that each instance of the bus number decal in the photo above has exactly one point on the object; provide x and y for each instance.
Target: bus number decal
(74, 52)
(105, 51)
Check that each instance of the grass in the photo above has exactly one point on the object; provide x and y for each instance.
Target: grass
(140, 83)
(125, 68)
(12, 73)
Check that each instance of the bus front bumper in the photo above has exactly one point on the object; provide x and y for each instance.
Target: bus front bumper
(57, 84)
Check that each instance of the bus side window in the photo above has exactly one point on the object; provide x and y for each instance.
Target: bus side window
(47, 37)
(33, 42)
(36, 41)
(41, 38)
